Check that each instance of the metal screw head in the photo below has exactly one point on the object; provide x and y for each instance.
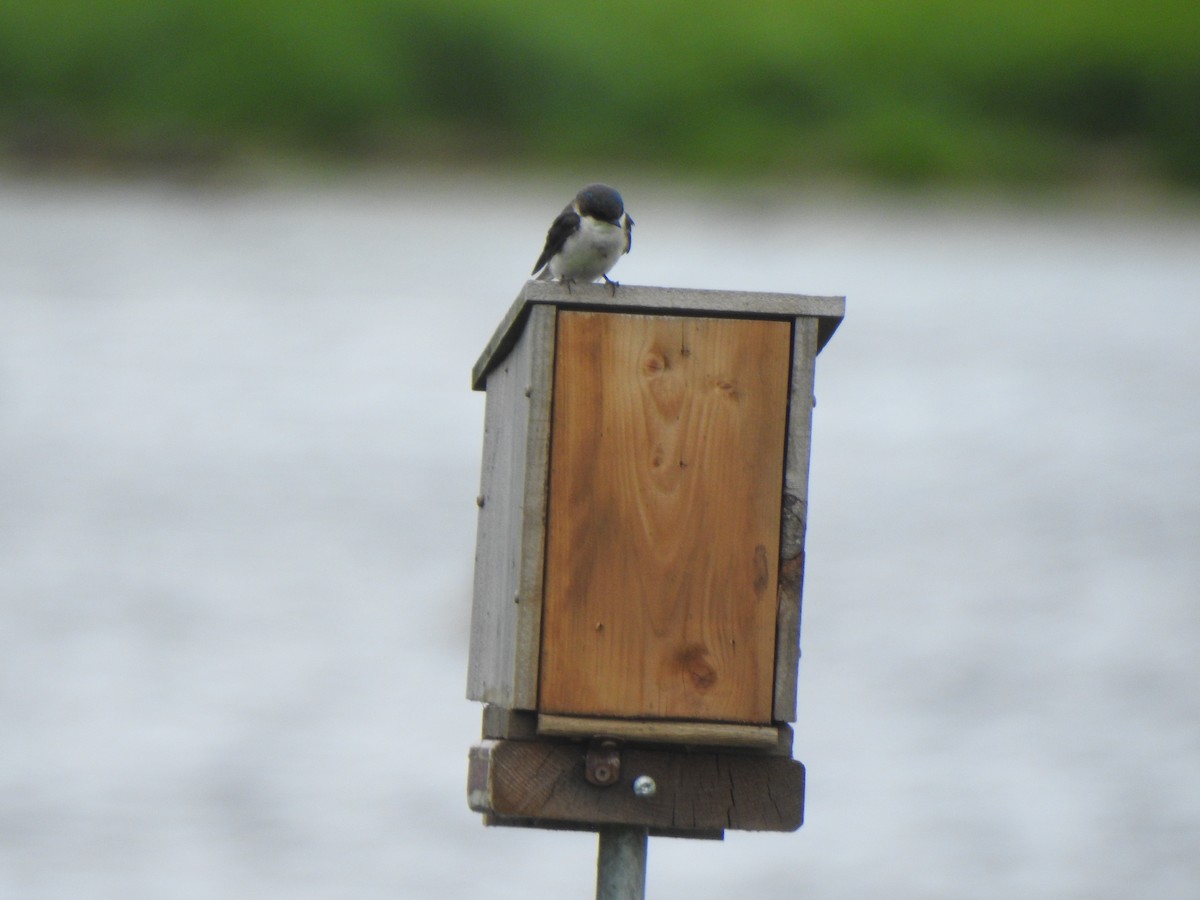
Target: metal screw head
(645, 786)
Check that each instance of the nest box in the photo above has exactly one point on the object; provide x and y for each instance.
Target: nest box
(642, 514)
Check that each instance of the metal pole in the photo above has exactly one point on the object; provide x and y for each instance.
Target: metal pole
(621, 864)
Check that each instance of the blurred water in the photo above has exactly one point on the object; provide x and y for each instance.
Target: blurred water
(238, 459)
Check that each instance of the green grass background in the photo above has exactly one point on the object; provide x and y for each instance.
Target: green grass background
(900, 92)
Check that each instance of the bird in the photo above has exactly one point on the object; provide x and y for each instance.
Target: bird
(587, 238)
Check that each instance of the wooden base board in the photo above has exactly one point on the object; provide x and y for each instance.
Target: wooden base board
(542, 784)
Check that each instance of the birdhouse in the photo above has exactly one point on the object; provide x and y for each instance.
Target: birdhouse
(642, 515)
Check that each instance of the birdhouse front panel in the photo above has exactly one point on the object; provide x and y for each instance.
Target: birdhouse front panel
(667, 458)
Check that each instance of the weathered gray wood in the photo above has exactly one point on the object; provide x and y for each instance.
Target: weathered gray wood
(506, 612)
(794, 518)
(702, 791)
(512, 724)
(638, 298)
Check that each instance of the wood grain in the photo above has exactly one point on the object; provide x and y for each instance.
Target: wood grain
(506, 610)
(794, 522)
(662, 551)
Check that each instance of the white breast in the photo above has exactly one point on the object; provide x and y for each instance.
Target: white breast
(590, 252)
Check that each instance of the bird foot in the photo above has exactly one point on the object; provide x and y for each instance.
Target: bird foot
(612, 285)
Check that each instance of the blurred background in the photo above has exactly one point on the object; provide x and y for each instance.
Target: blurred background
(929, 90)
(249, 253)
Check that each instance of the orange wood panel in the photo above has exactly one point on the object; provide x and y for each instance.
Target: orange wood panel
(666, 466)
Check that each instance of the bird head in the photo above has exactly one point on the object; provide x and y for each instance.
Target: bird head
(600, 202)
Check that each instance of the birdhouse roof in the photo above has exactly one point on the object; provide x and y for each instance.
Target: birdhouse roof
(654, 300)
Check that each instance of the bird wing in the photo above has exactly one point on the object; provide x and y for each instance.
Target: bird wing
(561, 228)
(628, 232)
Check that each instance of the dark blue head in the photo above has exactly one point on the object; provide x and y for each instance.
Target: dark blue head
(601, 202)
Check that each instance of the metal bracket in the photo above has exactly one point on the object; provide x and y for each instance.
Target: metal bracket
(602, 764)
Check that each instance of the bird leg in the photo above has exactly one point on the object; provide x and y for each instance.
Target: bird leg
(612, 285)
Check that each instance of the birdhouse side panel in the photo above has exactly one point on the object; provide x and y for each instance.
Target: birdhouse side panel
(506, 610)
(794, 517)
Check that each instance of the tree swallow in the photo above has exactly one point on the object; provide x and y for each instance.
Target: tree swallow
(587, 238)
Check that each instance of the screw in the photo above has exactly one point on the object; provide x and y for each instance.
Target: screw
(644, 786)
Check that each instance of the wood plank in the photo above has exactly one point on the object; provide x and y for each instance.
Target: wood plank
(696, 792)
(663, 544)
(654, 300)
(517, 724)
(506, 611)
(795, 519)
(493, 622)
(659, 731)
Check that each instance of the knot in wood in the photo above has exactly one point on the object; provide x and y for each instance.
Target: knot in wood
(654, 363)
(693, 660)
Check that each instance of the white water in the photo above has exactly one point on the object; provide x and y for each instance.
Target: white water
(238, 462)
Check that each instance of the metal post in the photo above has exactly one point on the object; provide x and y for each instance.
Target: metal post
(621, 864)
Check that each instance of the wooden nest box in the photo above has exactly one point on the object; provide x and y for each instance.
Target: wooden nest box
(641, 526)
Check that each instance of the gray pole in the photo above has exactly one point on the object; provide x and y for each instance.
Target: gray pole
(621, 865)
